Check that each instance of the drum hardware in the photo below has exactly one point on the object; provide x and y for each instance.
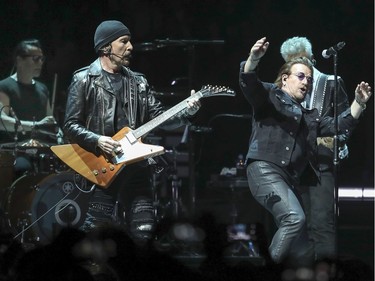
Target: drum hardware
(155, 184)
(23, 224)
(171, 181)
(176, 202)
(47, 163)
(41, 159)
(168, 183)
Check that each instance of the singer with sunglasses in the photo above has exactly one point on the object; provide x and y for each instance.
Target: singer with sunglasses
(23, 104)
(283, 142)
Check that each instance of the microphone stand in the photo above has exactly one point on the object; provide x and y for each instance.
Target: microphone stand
(335, 148)
(190, 138)
(15, 150)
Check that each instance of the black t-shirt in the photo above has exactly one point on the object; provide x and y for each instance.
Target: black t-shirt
(118, 83)
(29, 102)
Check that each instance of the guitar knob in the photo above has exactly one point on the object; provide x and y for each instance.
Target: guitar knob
(111, 167)
(96, 172)
(104, 170)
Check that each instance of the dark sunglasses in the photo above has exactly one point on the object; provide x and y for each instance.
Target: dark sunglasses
(301, 76)
(35, 58)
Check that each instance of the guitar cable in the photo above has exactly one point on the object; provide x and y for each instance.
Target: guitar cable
(54, 206)
(42, 216)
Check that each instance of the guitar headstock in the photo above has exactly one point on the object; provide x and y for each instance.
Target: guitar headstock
(208, 91)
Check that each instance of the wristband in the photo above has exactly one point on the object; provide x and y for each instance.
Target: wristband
(361, 104)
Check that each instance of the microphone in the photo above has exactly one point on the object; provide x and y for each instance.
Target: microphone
(116, 55)
(18, 122)
(123, 56)
(332, 50)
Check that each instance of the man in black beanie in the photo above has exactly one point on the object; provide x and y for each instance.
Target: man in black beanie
(103, 98)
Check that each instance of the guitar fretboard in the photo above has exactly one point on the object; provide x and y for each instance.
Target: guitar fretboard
(160, 119)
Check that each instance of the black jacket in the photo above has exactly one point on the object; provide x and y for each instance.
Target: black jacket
(276, 119)
(91, 106)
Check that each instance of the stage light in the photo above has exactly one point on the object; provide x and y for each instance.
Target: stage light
(358, 193)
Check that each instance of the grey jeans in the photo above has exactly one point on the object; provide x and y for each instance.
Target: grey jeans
(274, 192)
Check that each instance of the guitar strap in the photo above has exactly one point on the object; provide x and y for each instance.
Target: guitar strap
(320, 93)
(131, 100)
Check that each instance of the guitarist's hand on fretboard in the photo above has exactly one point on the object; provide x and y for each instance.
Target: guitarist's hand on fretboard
(193, 104)
(108, 145)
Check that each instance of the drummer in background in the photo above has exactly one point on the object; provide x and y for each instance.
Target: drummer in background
(24, 102)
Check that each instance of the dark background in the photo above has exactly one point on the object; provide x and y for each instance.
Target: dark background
(66, 29)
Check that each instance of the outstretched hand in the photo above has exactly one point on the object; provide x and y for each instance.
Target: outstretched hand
(256, 53)
(362, 95)
(259, 49)
(362, 92)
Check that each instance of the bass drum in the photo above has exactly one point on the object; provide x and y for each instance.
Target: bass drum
(39, 206)
(6, 169)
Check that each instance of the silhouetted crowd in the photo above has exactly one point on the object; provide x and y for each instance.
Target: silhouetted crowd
(109, 253)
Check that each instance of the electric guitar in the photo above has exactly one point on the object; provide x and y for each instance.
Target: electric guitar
(102, 170)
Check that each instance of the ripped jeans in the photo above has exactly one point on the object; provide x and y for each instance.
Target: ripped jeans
(270, 188)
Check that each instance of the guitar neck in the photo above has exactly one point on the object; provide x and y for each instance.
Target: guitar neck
(160, 119)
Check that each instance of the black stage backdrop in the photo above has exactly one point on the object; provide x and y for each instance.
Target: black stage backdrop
(66, 30)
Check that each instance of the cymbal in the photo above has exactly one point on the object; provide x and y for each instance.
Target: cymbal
(7, 145)
(31, 143)
(162, 43)
(145, 47)
(34, 143)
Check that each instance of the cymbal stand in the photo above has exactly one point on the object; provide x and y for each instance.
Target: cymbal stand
(16, 126)
(155, 184)
(15, 149)
(33, 129)
(175, 186)
(176, 201)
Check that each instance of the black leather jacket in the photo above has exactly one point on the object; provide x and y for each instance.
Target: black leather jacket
(91, 106)
(276, 119)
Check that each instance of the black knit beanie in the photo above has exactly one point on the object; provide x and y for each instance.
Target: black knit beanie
(107, 32)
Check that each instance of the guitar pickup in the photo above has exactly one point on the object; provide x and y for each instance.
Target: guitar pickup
(130, 137)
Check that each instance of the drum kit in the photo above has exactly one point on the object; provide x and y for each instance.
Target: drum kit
(39, 203)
